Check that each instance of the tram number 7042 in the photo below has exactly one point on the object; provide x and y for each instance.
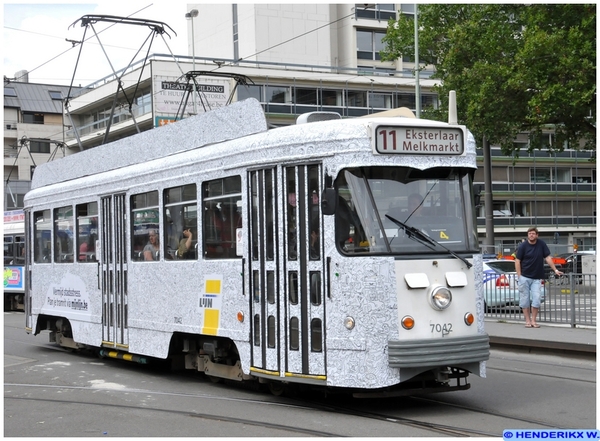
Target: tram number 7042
(444, 329)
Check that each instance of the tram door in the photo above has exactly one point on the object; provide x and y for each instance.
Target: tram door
(286, 270)
(113, 274)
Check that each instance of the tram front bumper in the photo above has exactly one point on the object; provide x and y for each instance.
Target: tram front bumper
(425, 353)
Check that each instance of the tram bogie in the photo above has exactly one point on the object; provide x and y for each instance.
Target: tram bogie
(289, 256)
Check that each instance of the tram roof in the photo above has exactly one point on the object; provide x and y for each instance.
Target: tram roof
(14, 228)
(230, 122)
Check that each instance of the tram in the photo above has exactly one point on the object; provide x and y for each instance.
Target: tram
(14, 260)
(286, 256)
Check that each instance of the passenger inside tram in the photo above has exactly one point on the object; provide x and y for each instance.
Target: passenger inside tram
(185, 249)
(152, 248)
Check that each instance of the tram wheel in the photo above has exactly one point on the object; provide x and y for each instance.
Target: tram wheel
(276, 389)
(214, 379)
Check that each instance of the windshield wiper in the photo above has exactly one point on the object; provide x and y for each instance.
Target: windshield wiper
(424, 239)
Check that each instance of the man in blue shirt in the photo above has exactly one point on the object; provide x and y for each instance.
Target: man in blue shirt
(529, 264)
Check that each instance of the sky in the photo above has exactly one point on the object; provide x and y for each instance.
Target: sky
(36, 33)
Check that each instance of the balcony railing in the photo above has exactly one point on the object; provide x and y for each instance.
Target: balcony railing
(527, 221)
(532, 187)
(120, 116)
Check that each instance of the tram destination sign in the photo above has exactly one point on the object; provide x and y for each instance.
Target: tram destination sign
(419, 140)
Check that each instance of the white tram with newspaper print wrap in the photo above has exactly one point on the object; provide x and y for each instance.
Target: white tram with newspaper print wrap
(305, 263)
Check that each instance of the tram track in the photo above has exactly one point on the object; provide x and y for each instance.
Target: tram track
(537, 423)
(295, 403)
(437, 429)
(537, 374)
(212, 417)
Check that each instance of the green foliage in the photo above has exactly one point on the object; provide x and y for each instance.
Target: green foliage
(515, 68)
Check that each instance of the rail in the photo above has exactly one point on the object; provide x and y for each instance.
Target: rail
(570, 299)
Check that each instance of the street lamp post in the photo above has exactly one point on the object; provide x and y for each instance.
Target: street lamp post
(193, 13)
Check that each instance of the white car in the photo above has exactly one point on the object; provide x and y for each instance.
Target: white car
(501, 285)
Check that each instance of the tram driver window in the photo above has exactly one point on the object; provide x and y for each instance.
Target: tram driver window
(87, 231)
(145, 226)
(181, 223)
(63, 235)
(222, 218)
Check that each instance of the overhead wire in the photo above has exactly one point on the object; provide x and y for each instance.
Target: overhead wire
(72, 47)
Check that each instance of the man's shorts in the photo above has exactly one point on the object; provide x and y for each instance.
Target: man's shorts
(530, 291)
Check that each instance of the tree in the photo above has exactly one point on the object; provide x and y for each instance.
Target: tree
(515, 68)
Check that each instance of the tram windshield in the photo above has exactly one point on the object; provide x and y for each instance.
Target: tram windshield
(402, 210)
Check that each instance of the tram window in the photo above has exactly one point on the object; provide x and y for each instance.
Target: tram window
(271, 287)
(181, 222)
(8, 250)
(19, 248)
(316, 335)
(42, 234)
(292, 242)
(271, 331)
(269, 215)
(256, 284)
(293, 287)
(222, 202)
(87, 231)
(371, 198)
(315, 287)
(294, 333)
(63, 235)
(14, 250)
(313, 203)
(145, 226)
(256, 330)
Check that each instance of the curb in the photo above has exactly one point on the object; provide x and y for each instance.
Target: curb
(547, 346)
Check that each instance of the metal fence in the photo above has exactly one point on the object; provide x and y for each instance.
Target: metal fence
(570, 299)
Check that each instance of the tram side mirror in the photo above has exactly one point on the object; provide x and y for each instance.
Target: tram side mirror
(329, 201)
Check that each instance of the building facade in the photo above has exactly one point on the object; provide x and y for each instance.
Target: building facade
(33, 134)
(302, 58)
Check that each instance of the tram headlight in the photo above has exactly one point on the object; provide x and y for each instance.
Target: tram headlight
(441, 297)
(349, 323)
